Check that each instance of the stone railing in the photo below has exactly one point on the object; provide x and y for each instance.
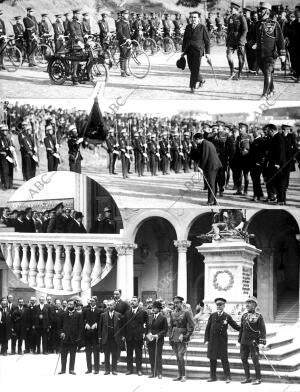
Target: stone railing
(60, 263)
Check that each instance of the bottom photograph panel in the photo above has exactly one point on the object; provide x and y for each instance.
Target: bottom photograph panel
(185, 288)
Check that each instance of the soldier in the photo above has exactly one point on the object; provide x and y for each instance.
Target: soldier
(195, 44)
(137, 28)
(154, 23)
(43, 26)
(76, 40)
(216, 338)
(107, 224)
(51, 148)
(138, 154)
(269, 43)
(153, 153)
(74, 143)
(164, 149)
(178, 25)
(2, 40)
(66, 23)
(293, 44)
(186, 149)
(181, 329)
(57, 223)
(175, 153)
(124, 39)
(158, 329)
(86, 24)
(125, 158)
(104, 28)
(256, 163)
(145, 25)
(236, 39)
(30, 157)
(31, 32)
(112, 150)
(166, 23)
(252, 337)
(59, 32)
(7, 161)
(70, 334)
(19, 33)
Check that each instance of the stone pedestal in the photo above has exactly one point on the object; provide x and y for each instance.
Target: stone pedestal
(228, 271)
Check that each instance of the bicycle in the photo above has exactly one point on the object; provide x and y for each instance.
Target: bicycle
(164, 44)
(39, 51)
(177, 41)
(91, 66)
(12, 56)
(148, 44)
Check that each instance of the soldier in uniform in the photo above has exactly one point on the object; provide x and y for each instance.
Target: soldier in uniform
(269, 43)
(125, 158)
(154, 23)
(51, 148)
(124, 39)
(256, 163)
(177, 22)
(59, 33)
(137, 28)
(158, 329)
(217, 339)
(153, 153)
(30, 157)
(164, 149)
(181, 329)
(138, 154)
(166, 23)
(145, 25)
(112, 150)
(66, 23)
(43, 26)
(76, 39)
(252, 337)
(236, 39)
(175, 153)
(6, 158)
(19, 32)
(86, 24)
(242, 169)
(103, 28)
(2, 40)
(31, 32)
(74, 143)
(57, 223)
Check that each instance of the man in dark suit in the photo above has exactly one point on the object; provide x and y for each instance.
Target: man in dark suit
(195, 44)
(110, 336)
(57, 223)
(135, 326)
(18, 318)
(42, 323)
(91, 319)
(216, 337)
(71, 332)
(121, 306)
(5, 326)
(256, 161)
(112, 150)
(28, 221)
(30, 334)
(205, 155)
(158, 329)
(76, 226)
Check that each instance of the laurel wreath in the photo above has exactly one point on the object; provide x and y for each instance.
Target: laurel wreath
(216, 284)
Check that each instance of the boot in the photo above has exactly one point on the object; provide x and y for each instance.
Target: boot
(127, 68)
(122, 66)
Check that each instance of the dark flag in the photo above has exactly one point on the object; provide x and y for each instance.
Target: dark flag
(95, 129)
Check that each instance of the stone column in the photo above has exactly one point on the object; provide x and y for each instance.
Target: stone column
(125, 269)
(182, 247)
(129, 269)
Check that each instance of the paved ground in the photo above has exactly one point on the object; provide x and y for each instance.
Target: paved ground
(36, 372)
(164, 81)
(174, 190)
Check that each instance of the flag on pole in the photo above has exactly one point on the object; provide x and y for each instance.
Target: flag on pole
(95, 129)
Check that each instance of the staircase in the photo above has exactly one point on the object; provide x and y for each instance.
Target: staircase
(282, 352)
(288, 308)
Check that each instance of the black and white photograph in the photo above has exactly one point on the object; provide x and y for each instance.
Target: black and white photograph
(149, 195)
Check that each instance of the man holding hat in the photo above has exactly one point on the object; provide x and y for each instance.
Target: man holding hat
(269, 44)
(252, 337)
(236, 39)
(181, 329)
(158, 329)
(124, 39)
(217, 339)
(31, 32)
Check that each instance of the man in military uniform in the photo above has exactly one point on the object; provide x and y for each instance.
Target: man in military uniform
(18, 29)
(145, 25)
(86, 24)
(242, 169)
(269, 43)
(195, 44)
(74, 143)
(138, 154)
(2, 40)
(153, 153)
(175, 153)
(164, 149)
(31, 32)
(66, 23)
(104, 28)
(6, 158)
(256, 163)
(59, 33)
(217, 339)
(30, 157)
(177, 22)
(112, 150)
(186, 149)
(77, 40)
(51, 148)
(154, 23)
(252, 337)
(57, 223)
(181, 329)
(236, 39)
(124, 39)
(166, 23)
(43, 26)
(125, 158)
(137, 28)
(107, 224)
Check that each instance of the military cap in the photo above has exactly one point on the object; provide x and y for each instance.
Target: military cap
(283, 126)
(107, 209)
(77, 11)
(43, 15)
(157, 305)
(220, 299)
(17, 17)
(247, 8)
(266, 6)
(206, 125)
(272, 127)
(243, 125)
(28, 9)
(58, 206)
(235, 5)
(67, 13)
(85, 14)
(178, 298)
(252, 299)
(125, 12)
(219, 122)
(58, 15)
(103, 14)
(78, 214)
(198, 135)
(215, 125)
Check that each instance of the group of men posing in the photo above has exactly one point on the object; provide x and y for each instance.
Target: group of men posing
(54, 326)
(57, 220)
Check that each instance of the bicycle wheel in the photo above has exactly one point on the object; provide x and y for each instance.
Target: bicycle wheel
(12, 58)
(139, 64)
(58, 70)
(41, 55)
(135, 46)
(177, 43)
(97, 72)
(160, 45)
(168, 46)
(149, 46)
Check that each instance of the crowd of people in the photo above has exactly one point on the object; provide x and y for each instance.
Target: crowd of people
(65, 326)
(57, 220)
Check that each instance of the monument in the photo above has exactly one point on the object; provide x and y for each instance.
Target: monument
(228, 259)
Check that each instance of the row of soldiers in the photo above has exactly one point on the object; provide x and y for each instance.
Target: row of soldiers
(60, 219)
(55, 326)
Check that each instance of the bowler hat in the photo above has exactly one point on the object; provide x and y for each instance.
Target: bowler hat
(181, 63)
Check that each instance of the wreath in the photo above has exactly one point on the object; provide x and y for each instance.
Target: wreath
(228, 286)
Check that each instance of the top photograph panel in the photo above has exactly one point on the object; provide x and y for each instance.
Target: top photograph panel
(176, 49)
